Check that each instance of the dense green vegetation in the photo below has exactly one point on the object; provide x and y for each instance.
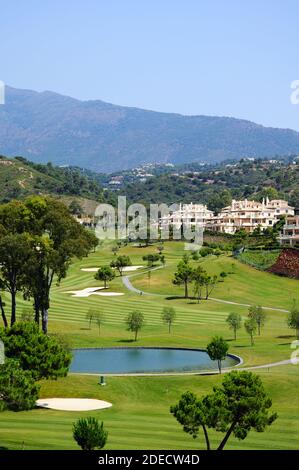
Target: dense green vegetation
(214, 185)
(260, 259)
(20, 178)
(217, 185)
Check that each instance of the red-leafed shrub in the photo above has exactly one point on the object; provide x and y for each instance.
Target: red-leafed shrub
(287, 263)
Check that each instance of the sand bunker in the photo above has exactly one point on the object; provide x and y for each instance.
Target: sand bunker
(92, 291)
(127, 269)
(90, 270)
(73, 404)
(84, 292)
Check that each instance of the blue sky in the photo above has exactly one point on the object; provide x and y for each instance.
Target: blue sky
(217, 57)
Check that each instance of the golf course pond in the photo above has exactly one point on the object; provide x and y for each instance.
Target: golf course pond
(138, 360)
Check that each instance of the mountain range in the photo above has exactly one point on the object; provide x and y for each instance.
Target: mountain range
(46, 126)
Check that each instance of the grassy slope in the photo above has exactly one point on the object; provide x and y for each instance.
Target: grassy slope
(140, 416)
(26, 180)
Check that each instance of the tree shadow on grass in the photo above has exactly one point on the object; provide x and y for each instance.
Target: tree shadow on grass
(4, 448)
(175, 297)
(286, 336)
(126, 341)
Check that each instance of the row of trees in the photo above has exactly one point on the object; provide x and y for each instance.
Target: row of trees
(135, 320)
(38, 239)
(203, 283)
(255, 321)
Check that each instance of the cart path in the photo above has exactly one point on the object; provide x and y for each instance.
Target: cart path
(207, 372)
(127, 283)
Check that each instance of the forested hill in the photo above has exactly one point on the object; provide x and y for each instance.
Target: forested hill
(212, 185)
(20, 178)
(105, 137)
(217, 185)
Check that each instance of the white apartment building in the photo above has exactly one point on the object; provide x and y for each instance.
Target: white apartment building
(249, 215)
(280, 206)
(188, 215)
(290, 232)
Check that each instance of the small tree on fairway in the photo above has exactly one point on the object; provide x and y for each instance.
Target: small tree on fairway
(168, 316)
(90, 316)
(250, 327)
(135, 321)
(163, 260)
(293, 320)
(237, 406)
(89, 433)
(183, 275)
(99, 319)
(258, 314)
(105, 274)
(18, 389)
(120, 263)
(115, 249)
(151, 259)
(210, 283)
(198, 277)
(217, 350)
(234, 320)
(149, 275)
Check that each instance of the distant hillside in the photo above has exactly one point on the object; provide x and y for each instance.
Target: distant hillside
(217, 185)
(20, 178)
(104, 137)
(214, 185)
